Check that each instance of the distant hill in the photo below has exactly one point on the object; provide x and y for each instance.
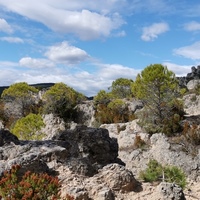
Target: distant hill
(39, 86)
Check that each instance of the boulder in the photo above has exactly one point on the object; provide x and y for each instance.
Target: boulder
(84, 150)
(90, 148)
(171, 191)
(105, 185)
(192, 84)
(118, 178)
(6, 137)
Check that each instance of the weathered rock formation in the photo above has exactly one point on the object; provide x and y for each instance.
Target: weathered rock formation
(192, 104)
(85, 113)
(193, 75)
(82, 155)
(171, 191)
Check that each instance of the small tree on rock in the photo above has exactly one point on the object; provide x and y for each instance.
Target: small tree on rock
(157, 87)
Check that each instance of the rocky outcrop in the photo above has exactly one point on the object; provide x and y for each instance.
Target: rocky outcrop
(85, 113)
(105, 185)
(84, 150)
(85, 159)
(192, 84)
(155, 147)
(6, 138)
(91, 148)
(53, 126)
(193, 75)
(171, 191)
(192, 104)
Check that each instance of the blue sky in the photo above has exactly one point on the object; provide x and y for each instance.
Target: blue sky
(87, 44)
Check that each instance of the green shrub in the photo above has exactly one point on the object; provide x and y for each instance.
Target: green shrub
(153, 172)
(61, 100)
(28, 128)
(156, 172)
(30, 186)
(175, 175)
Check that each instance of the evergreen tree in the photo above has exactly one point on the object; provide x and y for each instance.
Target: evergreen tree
(157, 87)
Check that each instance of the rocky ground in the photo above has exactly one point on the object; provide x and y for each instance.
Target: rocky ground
(104, 163)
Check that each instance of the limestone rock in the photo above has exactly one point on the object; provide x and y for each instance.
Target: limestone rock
(171, 191)
(192, 104)
(84, 150)
(118, 178)
(85, 113)
(105, 185)
(53, 126)
(192, 84)
(125, 133)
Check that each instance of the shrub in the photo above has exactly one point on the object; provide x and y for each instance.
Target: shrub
(30, 186)
(153, 172)
(156, 172)
(175, 175)
(61, 100)
(28, 128)
(170, 124)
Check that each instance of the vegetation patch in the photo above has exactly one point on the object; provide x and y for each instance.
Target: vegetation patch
(30, 186)
(155, 172)
(29, 127)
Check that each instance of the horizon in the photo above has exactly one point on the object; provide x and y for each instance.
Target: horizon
(87, 45)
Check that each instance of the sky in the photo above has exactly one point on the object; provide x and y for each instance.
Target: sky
(87, 44)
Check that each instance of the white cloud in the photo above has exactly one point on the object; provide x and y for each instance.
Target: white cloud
(192, 26)
(6, 64)
(114, 71)
(89, 83)
(71, 16)
(12, 39)
(35, 63)
(191, 51)
(65, 53)
(179, 70)
(152, 32)
(5, 27)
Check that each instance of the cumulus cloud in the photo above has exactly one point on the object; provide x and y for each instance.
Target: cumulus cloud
(5, 27)
(12, 39)
(192, 26)
(179, 70)
(191, 51)
(114, 71)
(91, 82)
(70, 17)
(35, 63)
(65, 53)
(149, 33)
